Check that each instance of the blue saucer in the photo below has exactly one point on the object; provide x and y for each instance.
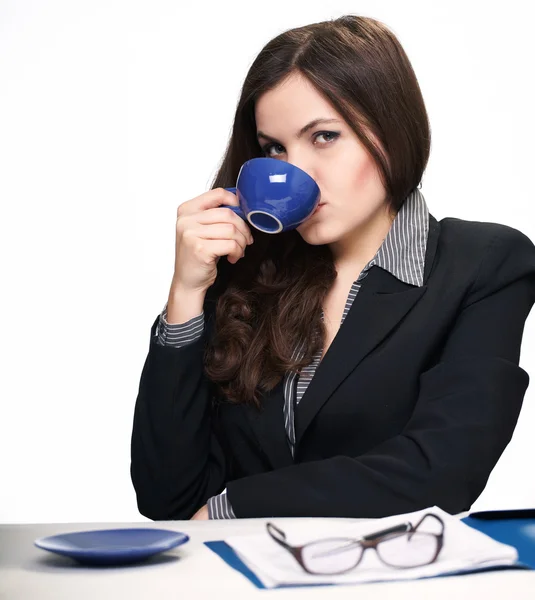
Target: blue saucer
(112, 546)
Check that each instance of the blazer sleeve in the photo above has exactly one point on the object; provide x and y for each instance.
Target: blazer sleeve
(465, 414)
(176, 460)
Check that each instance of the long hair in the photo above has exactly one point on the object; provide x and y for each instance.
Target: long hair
(270, 302)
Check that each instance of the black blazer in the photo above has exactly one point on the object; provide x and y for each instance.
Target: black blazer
(412, 406)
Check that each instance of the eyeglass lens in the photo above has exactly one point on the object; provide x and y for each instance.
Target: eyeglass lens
(335, 556)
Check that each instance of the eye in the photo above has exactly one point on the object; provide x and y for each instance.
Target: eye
(333, 135)
(326, 133)
(267, 148)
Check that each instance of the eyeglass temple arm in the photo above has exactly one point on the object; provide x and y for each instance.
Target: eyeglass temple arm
(396, 529)
(403, 527)
(279, 536)
(423, 518)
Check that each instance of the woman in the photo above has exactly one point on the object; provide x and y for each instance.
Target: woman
(362, 365)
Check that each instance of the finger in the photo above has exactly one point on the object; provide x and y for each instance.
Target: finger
(211, 199)
(225, 215)
(222, 231)
(218, 248)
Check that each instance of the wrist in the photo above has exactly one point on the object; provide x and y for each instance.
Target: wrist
(178, 287)
(183, 304)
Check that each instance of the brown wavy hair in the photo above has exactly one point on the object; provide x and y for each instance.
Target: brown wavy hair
(262, 307)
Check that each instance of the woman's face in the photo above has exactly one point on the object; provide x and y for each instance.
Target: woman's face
(332, 155)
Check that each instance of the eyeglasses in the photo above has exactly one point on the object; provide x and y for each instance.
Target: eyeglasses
(401, 547)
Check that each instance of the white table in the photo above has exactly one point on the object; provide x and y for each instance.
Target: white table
(193, 571)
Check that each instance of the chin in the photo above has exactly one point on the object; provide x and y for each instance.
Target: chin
(312, 234)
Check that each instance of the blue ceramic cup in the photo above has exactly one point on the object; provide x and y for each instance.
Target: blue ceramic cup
(274, 195)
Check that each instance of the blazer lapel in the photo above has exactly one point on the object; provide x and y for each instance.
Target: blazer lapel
(382, 302)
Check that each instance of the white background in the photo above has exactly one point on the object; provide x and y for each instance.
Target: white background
(112, 113)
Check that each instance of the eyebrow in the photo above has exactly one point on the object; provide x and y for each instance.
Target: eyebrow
(302, 131)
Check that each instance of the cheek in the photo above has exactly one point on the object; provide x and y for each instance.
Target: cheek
(352, 172)
(366, 175)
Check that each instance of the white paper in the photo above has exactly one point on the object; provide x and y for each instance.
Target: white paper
(464, 549)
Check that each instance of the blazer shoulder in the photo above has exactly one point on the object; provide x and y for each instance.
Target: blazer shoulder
(498, 254)
(479, 241)
(482, 234)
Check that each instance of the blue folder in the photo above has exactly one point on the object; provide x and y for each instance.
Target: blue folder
(513, 527)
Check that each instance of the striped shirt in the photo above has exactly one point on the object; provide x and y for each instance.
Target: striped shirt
(402, 254)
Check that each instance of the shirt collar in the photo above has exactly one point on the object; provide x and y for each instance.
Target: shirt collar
(402, 252)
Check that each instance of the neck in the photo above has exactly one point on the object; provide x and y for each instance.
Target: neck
(352, 252)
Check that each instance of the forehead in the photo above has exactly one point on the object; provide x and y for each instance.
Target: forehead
(290, 104)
